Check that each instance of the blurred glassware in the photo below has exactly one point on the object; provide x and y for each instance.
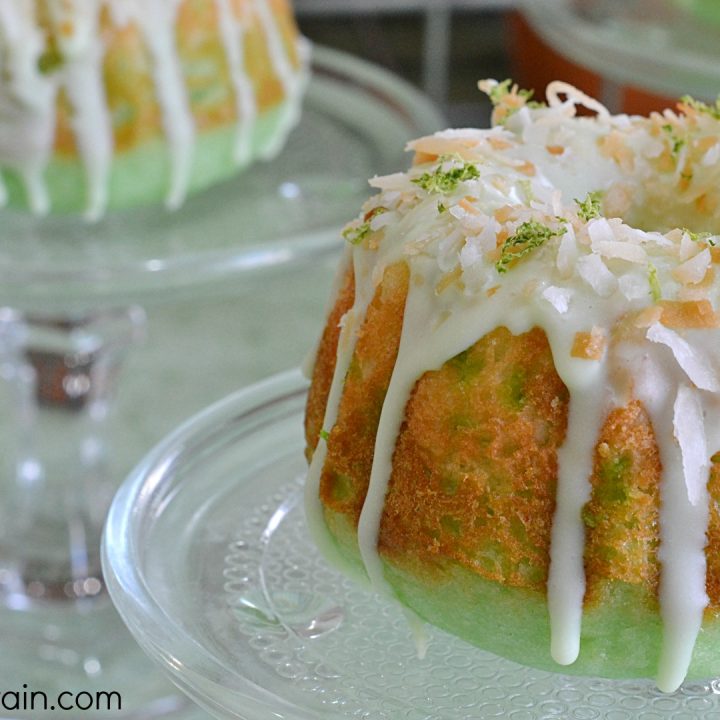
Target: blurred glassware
(76, 298)
(636, 56)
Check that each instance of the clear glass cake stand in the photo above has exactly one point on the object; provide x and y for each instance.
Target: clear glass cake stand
(73, 303)
(210, 564)
(669, 47)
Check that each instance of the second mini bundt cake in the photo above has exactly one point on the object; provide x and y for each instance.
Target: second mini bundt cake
(117, 103)
(514, 417)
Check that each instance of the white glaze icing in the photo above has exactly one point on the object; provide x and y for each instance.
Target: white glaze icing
(83, 82)
(157, 22)
(26, 102)
(28, 95)
(589, 276)
(285, 73)
(233, 38)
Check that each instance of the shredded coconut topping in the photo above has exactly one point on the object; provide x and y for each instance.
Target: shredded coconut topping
(604, 231)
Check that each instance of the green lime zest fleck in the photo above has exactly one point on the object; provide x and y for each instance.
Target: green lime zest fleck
(499, 91)
(530, 235)
(355, 234)
(677, 142)
(325, 435)
(445, 181)
(50, 60)
(655, 289)
(589, 519)
(589, 208)
(712, 110)
(356, 231)
(701, 237)
(526, 186)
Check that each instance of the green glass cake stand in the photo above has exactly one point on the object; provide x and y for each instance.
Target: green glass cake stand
(73, 304)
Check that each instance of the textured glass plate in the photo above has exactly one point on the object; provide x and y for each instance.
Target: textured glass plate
(355, 123)
(210, 564)
(656, 45)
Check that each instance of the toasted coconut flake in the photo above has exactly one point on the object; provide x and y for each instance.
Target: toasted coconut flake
(687, 247)
(567, 252)
(450, 278)
(505, 213)
(689, 430)
(618, 199)
(590, 345)
(574, 97)
(498, 143)
(712, 156)
(467, 205)
(621, 251)
(614, 145)
(437, 145)
(558, 297)
(648, 316)
(528, 168)
(688, 314)
(594, 272)
(693, 271)
(696, 366)
(599, 230)
(395, 181)
(633, 286)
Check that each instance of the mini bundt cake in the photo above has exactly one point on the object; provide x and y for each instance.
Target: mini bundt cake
(116, 103)
(514, 416)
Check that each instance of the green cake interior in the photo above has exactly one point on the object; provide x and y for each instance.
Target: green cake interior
(141, 176)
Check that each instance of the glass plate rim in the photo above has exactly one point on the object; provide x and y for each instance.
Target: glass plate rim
(125, 581)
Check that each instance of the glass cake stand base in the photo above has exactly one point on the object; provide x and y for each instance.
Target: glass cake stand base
(210, 563)
(53, 662)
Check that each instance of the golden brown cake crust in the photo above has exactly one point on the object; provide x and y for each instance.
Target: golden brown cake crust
(712, 552)
(325, 360)
(622, 517)
(475, 465)
(351, 445)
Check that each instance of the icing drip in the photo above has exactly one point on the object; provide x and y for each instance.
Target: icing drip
(232, 34)
(157, 21)
(26, 103)
(408, 367)
(283, 69)
(82, 79)
(628, 314)
(683, 513)
(566, 581)
(351, 324)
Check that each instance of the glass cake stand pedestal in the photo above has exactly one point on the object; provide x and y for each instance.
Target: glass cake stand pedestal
(211, 566)
(73, 304)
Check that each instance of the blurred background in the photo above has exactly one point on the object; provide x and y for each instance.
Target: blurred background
(635, 55)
